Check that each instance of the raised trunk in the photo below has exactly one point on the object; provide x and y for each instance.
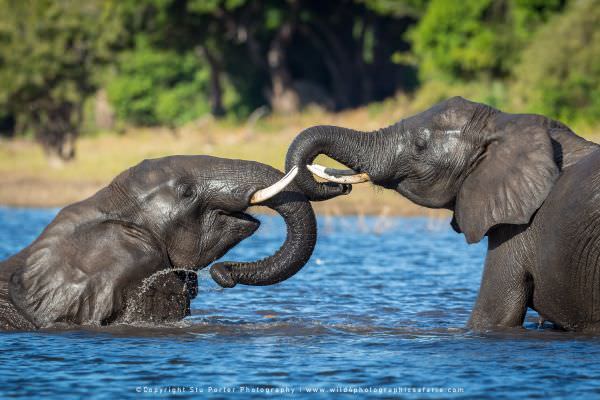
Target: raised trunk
(355, 149)
(299, 244)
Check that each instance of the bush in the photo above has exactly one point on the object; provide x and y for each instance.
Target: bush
(476, 39)
(50, 55)
(452, 38)
(559, 74)
(155, 87)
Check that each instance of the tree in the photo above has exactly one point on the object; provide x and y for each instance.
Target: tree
(287, 53)
(186, 27)
(50, 54)
(338, 54)
(559, 74)
(474, 39)
(158, 87)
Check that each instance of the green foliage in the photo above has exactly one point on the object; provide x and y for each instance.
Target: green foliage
(454, 38)
(50, 54)
(476, 38)
(159, 87)
(532, 13)
(173, 61)
(559, 74)
(397, 7)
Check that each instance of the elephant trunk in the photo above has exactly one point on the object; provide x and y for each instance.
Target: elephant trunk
(355, 149)
(299, 244)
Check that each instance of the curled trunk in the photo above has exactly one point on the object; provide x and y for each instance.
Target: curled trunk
(352, 148)
(299, 244)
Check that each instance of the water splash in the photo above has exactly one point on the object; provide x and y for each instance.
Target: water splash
(387, 311)
(163, 297)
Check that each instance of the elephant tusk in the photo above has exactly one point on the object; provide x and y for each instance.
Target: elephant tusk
(268, 192)
(338, 175)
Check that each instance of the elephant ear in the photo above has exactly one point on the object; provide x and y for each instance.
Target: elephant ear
(510, 182)
(77, 277)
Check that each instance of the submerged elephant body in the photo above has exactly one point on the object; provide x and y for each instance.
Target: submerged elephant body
(129, 253)
(561, 278)
(527, 182)
(163, 297)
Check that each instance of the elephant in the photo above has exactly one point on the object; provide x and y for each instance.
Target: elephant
(131, 251)
(527, 182)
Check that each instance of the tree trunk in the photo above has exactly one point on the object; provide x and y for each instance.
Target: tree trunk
(216, 88)
(56, 128)
(346, 77)
(335, 75)
(284, 98)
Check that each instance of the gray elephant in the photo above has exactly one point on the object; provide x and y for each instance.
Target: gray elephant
(526, 181)
(130, 251)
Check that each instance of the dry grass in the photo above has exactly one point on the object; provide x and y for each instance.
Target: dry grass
(26, 179)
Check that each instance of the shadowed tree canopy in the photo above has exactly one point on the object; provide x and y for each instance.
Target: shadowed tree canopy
(170, 62)
(559, 73)
(287, 53)
(476, 38)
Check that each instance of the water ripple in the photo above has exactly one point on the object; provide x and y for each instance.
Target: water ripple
(381, 304)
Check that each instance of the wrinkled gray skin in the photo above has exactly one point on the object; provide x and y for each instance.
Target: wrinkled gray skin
(527, 182)
(129, 252)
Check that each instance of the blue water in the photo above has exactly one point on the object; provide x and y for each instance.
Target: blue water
(380, 308)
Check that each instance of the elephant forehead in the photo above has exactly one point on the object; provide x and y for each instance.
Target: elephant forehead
(150, 183)
(146, 180)
(148, 173)
(155, 177)
(451, 141)
(157, 199)
(150, 191)
(223, 187)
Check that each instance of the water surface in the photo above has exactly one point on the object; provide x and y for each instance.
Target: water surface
(380, 308)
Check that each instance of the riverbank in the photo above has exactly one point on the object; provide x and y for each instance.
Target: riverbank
(27, 179)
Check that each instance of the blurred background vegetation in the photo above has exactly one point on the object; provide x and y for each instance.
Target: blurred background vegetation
(72, 69)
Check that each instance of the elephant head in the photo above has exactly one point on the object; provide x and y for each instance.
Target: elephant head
(489, 167)
(167, 214)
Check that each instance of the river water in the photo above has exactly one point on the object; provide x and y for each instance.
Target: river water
(379, 310)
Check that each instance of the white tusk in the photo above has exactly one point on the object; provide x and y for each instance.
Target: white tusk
(268, 192)
(338, 175)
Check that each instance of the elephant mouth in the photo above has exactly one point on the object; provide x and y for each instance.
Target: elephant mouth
(239, 226)
(245, 224)
(243, 218)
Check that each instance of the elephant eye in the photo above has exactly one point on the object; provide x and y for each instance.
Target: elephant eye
(420, 144)
(187, 191)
